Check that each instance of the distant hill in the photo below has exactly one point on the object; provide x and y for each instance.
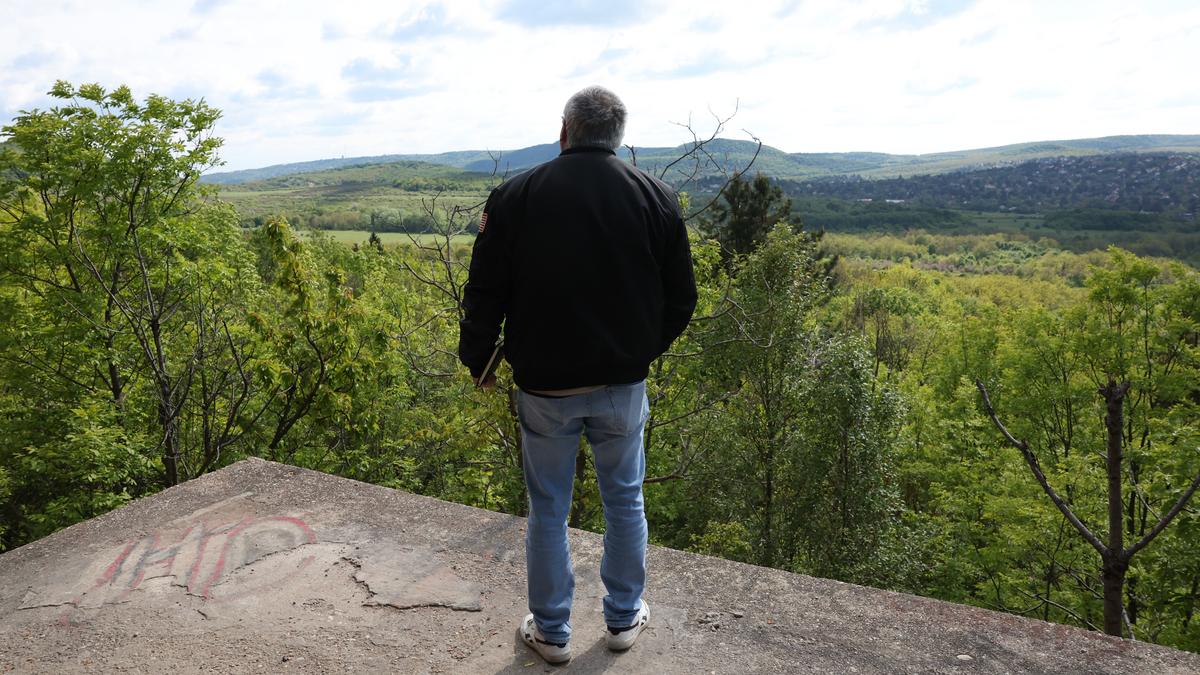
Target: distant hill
(454, 159)
(508, 162)
(1147, 201)
(504, 162)
(734, 154)
(1150, 182)
(408, 175)
(942, 162)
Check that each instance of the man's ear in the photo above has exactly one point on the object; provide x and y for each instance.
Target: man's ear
(562, 136)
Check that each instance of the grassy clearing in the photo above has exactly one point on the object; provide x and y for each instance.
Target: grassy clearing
(360, 237)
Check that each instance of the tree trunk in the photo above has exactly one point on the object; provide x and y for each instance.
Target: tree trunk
(1115, 560)
(768, 513)
(170, 438)
(118, 387)
(1113, 576)
(1191, 603)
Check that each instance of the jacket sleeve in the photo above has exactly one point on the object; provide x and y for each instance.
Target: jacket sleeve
(678, 280)
(485, 297)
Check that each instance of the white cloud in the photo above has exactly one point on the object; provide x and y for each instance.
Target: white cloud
(308, 79)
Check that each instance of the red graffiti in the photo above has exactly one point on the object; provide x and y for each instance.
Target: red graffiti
(199, 559)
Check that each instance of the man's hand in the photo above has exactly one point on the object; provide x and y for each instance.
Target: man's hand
(488, 382)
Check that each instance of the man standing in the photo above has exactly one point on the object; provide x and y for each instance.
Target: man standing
(585, 261)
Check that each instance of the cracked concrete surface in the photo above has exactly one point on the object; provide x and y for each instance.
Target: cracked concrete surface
(405, 578)
(261, 566)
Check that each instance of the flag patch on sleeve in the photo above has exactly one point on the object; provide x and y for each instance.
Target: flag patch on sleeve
(482, 222)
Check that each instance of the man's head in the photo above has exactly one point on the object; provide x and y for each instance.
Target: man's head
(593, 117)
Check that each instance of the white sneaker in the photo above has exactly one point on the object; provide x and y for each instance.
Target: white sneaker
(620, 639)
(553, 652)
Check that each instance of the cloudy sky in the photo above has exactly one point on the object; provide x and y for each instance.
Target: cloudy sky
(303, 79)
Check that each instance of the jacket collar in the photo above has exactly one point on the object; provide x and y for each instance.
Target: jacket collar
(585, 148)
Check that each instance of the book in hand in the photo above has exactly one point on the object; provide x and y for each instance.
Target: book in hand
(493, 363)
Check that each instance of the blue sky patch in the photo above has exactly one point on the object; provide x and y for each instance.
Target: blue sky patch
(430, 21)
(368, 93)
(922, 15)
(537, 13)
(32, 59)
(366, 70)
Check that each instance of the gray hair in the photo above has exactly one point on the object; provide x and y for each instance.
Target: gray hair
(594, 117)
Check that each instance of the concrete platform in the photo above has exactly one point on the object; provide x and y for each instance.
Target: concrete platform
(262, 567)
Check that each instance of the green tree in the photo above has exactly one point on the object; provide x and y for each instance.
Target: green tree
(747, 211)
(1134, 344)
(123, 285)
(805, 437)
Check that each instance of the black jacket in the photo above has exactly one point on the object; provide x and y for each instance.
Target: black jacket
(586, 261)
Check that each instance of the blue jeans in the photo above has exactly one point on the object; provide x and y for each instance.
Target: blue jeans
(613, 419)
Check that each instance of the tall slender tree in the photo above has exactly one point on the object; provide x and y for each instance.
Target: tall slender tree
(1134, 344)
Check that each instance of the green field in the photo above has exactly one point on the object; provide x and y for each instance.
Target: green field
(391, 197)
(389, 238)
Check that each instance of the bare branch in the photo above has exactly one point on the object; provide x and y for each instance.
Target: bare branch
(1165, 520)
(1036, 468)
(1069, 612)
(730, 178)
